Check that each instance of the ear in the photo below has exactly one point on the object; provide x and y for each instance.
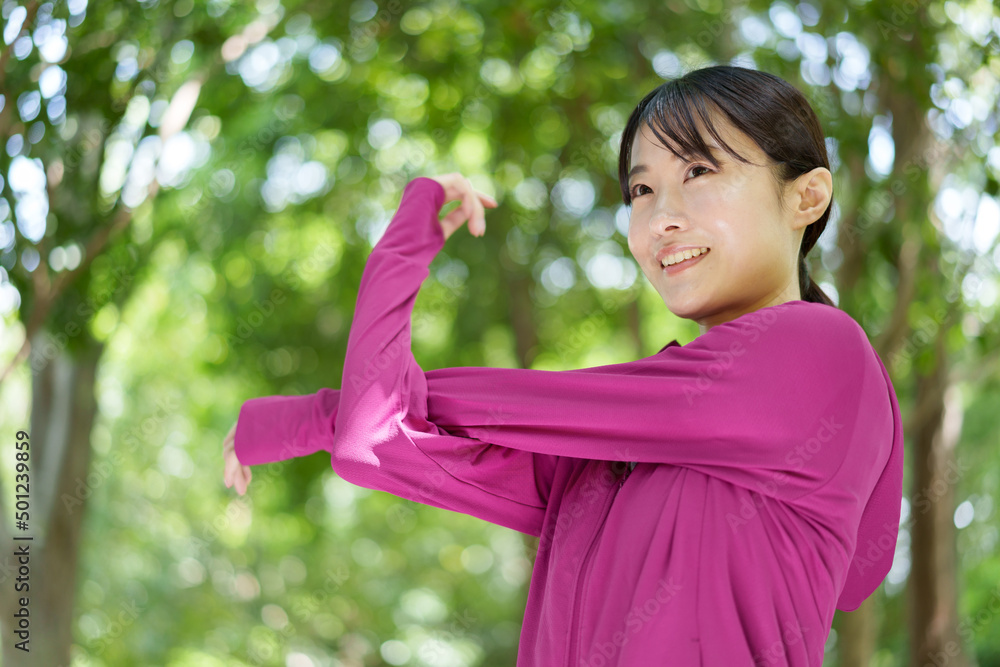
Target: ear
(812, 194)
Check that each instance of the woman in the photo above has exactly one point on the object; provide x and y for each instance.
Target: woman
(711, 504)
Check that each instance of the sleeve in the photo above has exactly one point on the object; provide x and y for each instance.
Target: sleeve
(381, 436)
(276, 428)
(769, 401)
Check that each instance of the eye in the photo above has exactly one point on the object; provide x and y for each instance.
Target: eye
(635, 188)
(698, 166)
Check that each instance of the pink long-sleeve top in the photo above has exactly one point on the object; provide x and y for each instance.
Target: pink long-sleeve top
(710, 504)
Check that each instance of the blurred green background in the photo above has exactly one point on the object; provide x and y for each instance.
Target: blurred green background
(189, 194)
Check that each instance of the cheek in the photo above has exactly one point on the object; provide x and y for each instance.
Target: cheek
(729, 230)
(750, 258)
(722, 201)
(737, 188)
(634, 242)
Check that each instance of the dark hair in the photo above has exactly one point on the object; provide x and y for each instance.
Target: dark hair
(763, 106)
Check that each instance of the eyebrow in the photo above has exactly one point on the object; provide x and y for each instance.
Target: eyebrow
(641, 168)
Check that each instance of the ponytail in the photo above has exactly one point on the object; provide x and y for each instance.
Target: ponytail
(807, 286)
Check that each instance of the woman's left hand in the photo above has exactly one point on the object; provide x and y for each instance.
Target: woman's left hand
(473, 205)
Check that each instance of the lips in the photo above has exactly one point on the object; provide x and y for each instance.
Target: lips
(684, 264)
(674, 249)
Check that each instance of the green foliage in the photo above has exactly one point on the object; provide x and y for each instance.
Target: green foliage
(236, 276)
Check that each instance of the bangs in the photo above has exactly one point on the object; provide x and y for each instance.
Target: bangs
(671, 118)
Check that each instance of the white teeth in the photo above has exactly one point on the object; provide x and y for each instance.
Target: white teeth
(681, 256)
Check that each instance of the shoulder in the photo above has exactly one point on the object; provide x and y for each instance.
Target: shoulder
(820, 324)
(814, 336)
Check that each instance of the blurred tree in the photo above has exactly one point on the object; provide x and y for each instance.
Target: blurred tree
(185, 227)
(79, 176)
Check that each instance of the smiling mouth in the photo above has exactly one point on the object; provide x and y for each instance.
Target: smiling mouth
(676, 266)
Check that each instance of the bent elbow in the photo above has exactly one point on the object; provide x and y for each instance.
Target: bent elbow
(349, 466)
(346, 467)
(339, 466)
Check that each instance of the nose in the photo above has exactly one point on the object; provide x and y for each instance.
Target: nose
(664, 219)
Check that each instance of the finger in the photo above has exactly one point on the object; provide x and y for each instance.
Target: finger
(229, 470)
(480, 218)
(476, 221)
(234, 469)
(472, 197)
(469, 204)
(487, 200)
(452, 221)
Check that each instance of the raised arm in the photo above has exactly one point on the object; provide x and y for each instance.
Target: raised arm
(379, 433)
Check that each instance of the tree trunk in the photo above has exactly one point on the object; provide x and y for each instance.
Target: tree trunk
(859, 627)
(914, 141)
(62, 413)
(525, 343)
(933, 590)
(522, 317)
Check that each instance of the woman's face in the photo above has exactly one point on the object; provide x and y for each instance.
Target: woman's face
(752, 258)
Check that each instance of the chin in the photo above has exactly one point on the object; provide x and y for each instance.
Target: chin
(689, 309)
(682, 307)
